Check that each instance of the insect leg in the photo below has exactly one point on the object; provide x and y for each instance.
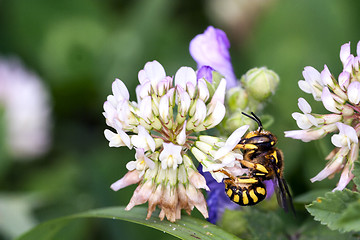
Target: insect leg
(232, 177)
(255, 166)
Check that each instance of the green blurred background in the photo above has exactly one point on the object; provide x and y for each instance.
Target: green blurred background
(79, 47)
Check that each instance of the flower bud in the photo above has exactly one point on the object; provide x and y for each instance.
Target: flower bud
(260, 83)
(237, 98)
(237, 120)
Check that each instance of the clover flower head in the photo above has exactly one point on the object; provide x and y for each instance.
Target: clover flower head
(162, 126)
(26, 102)
(341, 98)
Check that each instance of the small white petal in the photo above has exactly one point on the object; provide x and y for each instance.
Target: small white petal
(185, 75)
(306, 135)
(200, 113)
(219, 94)
(140, 156)
(344, 79)
(191, 89)
(231, 142)
(345, 178)
(301, 120)
(145, 110)
(122, 134)
(170, 155)
(154, 72)
(181, 137)
(143, 139)
(142, 76)
(113, 138)
(336, 139)
(348, 131)
(305, 86)
(346, 136)
(209, 139)
(129, 179)
(199, 155)
(356, 63)
(330, 169)
(235, 137)
(164, 108)
(358, 49)
(354, 92)
(328, 101)
(311, 75)
(304, 106)
(131, 165)
(216, 116)
(326, 77)
(150, 140)
(110, 113)
(144, 89)
(163, 86)
(348, 66)
(119, 90)
(184, 101)
(203, 90)
(345, 52)
(228, 160)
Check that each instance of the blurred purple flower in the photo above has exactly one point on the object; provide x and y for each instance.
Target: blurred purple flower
(205, 72)
(218, 201)
(212, 49)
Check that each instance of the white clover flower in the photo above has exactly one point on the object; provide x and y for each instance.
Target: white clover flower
(162, 126)
(346, 136)
(312, 83)
(305, 120)
(27, 108)
(341, 97)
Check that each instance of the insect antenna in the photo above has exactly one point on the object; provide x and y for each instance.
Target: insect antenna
(256, 119)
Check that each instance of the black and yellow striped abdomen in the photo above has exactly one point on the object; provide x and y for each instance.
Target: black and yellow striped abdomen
(249, 195)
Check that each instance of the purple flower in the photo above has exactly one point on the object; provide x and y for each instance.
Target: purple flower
(212, 49)
(205, 72)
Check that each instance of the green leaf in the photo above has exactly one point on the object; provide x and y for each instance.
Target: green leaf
(271, 224)
(350, 220)
(314, 230)
(330, 209)
(186, 228)
(252, 223)
(356, 173)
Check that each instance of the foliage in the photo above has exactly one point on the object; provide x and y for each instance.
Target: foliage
(186, 228)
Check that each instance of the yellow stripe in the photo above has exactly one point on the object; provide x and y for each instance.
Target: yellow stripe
(246, 180)
(236, 198)
(253, 196)
(248, 146)
(275, 156)
(251, 134)
(261, 190)
(229, 192)
(261, 168)
(245, 198)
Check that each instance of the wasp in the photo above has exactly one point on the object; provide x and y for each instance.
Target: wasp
(264, 162)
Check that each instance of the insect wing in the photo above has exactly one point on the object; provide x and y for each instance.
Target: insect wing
(283, 194)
